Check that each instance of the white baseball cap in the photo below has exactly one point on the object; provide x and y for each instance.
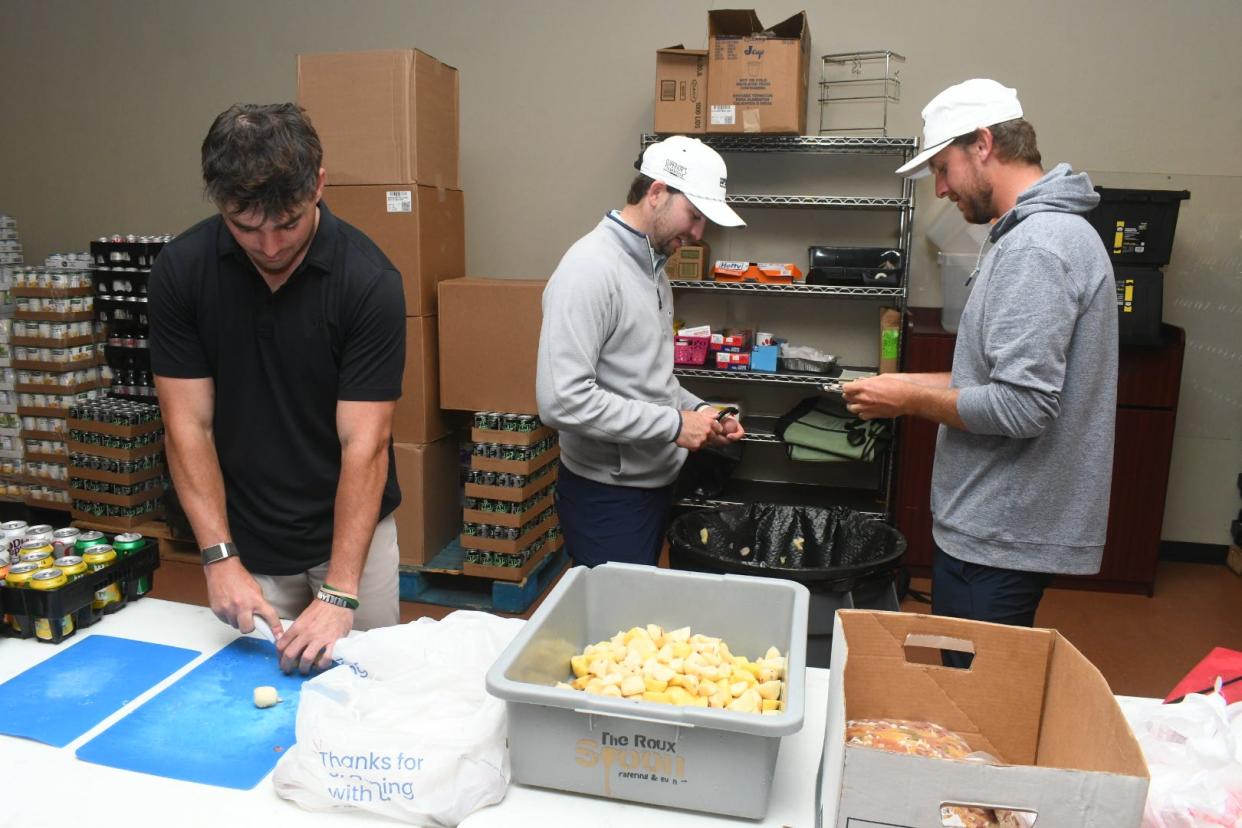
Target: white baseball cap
(697, 170)
(960, 110)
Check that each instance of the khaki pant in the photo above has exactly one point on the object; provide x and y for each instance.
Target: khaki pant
(377, 592)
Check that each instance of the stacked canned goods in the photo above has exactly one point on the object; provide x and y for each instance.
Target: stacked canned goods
(114, 411)
(115, 441)
(489, 530)
(509, 480)
(500, 421)
(503, 451)
(482, 557)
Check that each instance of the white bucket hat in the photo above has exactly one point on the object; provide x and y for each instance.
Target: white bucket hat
(697, 170)
(960, 110)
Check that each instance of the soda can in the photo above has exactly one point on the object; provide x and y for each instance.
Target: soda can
(127, 543)
(71, 565)
(64, 540)
(480, 419)
(527, 424)
(88, 539)
(19, 574)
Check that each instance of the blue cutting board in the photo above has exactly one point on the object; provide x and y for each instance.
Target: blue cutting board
(59, 699)
(204, 727)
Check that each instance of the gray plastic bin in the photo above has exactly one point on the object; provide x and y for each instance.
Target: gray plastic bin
(683, 757)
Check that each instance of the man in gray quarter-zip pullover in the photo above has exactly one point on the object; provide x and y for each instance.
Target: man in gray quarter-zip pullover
(605, 375)
(1023, 468)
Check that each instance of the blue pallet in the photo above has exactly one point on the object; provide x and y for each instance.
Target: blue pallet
(440, 581)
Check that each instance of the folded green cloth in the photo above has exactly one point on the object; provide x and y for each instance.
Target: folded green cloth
(819, 430)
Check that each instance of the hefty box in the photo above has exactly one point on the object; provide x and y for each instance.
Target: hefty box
(1029, 699)
(698, 758)
(757, 76)
(681, 91)
(420, 229)
(489, 344)
(384, 117)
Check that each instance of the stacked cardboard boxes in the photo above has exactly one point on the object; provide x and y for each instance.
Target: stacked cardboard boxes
(388, 121)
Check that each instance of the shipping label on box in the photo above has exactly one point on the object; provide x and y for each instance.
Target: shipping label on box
(1065, 753)
(681, 91)
(757, 77)
(420, 229)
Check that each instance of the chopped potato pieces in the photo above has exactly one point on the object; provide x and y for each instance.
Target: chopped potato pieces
(681, 668)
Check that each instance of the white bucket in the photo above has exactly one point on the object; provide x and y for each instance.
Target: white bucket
(955, 270)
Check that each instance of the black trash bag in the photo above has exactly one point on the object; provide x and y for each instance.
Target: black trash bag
(706, 472)
(834, 547)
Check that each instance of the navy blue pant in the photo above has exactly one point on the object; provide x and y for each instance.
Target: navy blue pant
(603, 523)
(983, 593)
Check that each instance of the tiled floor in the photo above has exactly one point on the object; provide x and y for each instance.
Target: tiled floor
(1143, 646)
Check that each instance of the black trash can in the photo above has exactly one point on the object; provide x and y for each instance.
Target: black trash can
(847, 560)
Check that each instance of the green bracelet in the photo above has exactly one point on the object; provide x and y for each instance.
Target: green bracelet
(337, 600)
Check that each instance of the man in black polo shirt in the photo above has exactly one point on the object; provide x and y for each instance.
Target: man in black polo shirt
(278, 343)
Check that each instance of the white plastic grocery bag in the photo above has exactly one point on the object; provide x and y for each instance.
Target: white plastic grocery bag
(1194, 752)
(404, 728)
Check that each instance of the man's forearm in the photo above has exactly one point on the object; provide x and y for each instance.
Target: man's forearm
(938, 404)
(364, 471)
(195, 469)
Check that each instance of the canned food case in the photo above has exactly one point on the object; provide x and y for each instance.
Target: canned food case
(510, 546)
(516, 574)
(512, 494)
(512, 438)
(682, 757)
(516, 466)
(27, 606)
(516, 519)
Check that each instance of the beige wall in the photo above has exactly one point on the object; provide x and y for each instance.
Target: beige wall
(105, 105)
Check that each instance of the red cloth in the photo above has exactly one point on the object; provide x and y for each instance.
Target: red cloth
(1227, 664)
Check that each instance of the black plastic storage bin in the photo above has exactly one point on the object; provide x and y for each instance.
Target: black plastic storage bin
(74, 599)
(1137, 226)
(1140, 301)
(847, 560)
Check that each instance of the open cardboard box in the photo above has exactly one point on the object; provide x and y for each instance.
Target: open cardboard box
(1029, 698)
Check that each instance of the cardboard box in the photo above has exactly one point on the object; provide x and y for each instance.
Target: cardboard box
(489, 344)
(1234, 559)
(430, 512)
(681, 91)
(422, 230)
(756, 76)
(384, 117)
(1029, 699)
(890, 339)
(689, 263)
(418, 418)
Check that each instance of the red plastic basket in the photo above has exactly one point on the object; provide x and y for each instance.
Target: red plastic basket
(690, 350)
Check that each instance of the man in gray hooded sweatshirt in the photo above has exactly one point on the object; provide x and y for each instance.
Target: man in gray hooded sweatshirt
(605, 372)
(1023, 468)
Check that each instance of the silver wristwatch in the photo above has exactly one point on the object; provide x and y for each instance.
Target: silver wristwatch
(218, 552)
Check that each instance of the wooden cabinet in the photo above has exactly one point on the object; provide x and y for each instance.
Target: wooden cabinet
(1148, 380)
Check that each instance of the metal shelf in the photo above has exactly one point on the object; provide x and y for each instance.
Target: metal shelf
(815, 144)
(742, 492)
(821, 381)
(795, 288)
(760, 429)
(852, 202)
